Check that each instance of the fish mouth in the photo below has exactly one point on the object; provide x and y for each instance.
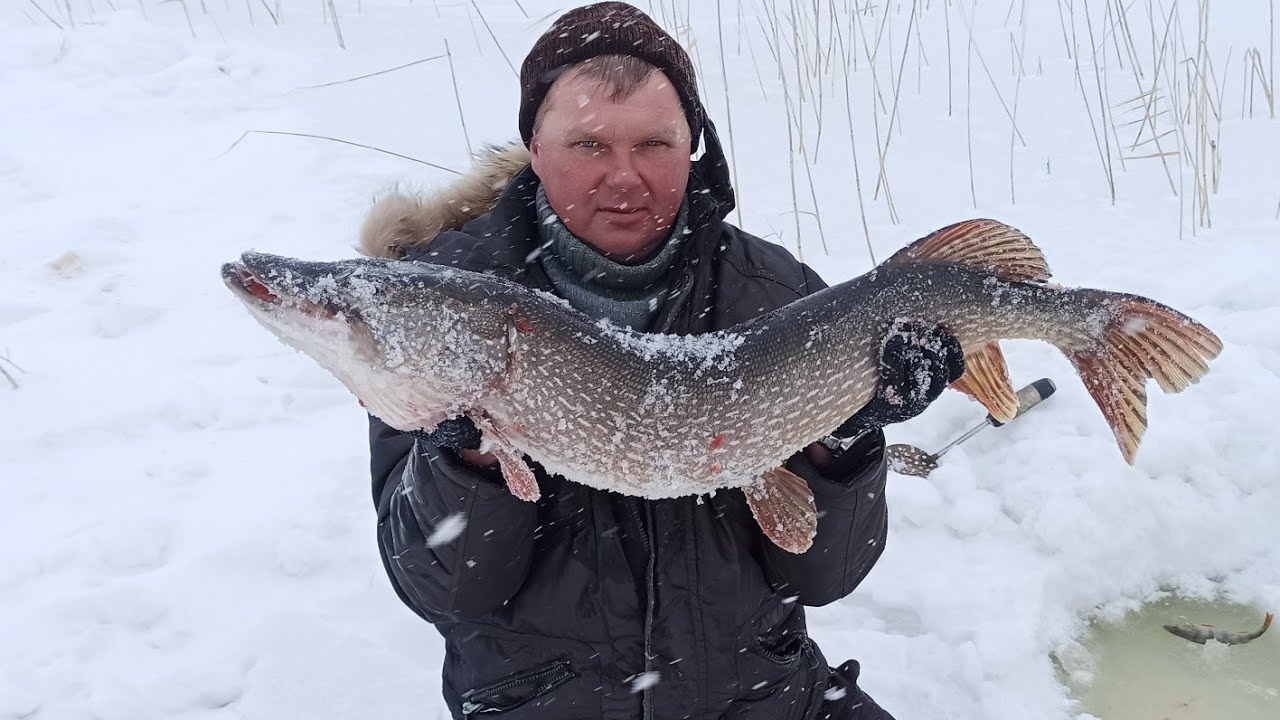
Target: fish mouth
(253, 289)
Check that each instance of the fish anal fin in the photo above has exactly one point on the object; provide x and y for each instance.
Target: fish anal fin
(990, 245)
(986, 379)
(1141, 340)
(782, 504)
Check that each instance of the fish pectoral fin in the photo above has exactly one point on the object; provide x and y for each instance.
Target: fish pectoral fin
(520, 478)
(986, 379)
(782, 504)
(990, 245)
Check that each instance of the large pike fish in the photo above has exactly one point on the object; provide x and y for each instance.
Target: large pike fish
(664, 416)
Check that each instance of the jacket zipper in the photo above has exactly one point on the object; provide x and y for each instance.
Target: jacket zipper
(537, 679)
(644, 524)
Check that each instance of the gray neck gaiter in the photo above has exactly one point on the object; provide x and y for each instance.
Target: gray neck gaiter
(627, 295)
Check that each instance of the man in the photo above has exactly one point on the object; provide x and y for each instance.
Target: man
(590, 604)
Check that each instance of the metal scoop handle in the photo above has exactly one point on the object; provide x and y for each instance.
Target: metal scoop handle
(1028, 397)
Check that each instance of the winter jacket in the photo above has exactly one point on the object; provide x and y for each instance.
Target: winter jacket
(589, 604)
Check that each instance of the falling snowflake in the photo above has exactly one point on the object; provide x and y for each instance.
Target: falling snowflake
(644, 681)
(448, 530)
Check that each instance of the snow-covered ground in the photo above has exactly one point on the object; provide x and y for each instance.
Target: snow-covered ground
(185, 524)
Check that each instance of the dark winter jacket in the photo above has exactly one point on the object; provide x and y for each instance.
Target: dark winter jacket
(588, 604)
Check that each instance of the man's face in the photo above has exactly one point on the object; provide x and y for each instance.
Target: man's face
(615, 172)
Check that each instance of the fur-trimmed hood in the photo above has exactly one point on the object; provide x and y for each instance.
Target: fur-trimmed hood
(399, 223)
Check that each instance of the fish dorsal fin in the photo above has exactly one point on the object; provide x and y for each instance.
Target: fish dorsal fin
(782, 504)
(987, 244)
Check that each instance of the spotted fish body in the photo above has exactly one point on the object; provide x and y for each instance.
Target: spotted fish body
(665, 416)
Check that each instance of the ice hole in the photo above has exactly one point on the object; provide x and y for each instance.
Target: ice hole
(1134, 669)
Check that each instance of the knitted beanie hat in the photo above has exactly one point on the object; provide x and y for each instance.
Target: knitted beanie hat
(606, 28)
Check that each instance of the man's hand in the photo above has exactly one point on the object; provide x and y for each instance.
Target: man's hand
(461, 436)
(917, 363)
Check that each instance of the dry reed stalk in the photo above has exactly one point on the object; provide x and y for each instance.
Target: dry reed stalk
(853, 148)
(812, 70)
(372, 74)
(1149, 100)
(832, 22)
(692, 45)
(337, 26)
(990, 78)
(46, 15)
(275, 16)
(738, 50)
(871, 53)
(728, 113)
(1063, 22)
(922, 60)
(1152, 95)
(247, 133)
(495, 38)
(457, 97)
(7, 375)
(1112, 22)
(1017, 90)
(183, 3)
(1122, 18)
(1203, 155)
(946, 16)
(1218, 112)
(751, 49)
(1256, 75)
(883, 179)
(795, 114)
(1105, 159)
(968, 110)
(791, 148)
(1104, 95)
(897, 88)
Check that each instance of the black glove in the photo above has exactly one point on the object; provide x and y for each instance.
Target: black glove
(457, 433)
(917, 363)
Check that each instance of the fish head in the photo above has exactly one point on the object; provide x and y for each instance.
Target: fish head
(416, 343)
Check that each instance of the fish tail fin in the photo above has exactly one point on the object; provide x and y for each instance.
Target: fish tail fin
(1141, 340)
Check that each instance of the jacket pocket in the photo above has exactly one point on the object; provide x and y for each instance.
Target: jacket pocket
(513, 691)
(783, 648)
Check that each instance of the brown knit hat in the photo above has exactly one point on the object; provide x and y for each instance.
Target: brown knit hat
(606, 28)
